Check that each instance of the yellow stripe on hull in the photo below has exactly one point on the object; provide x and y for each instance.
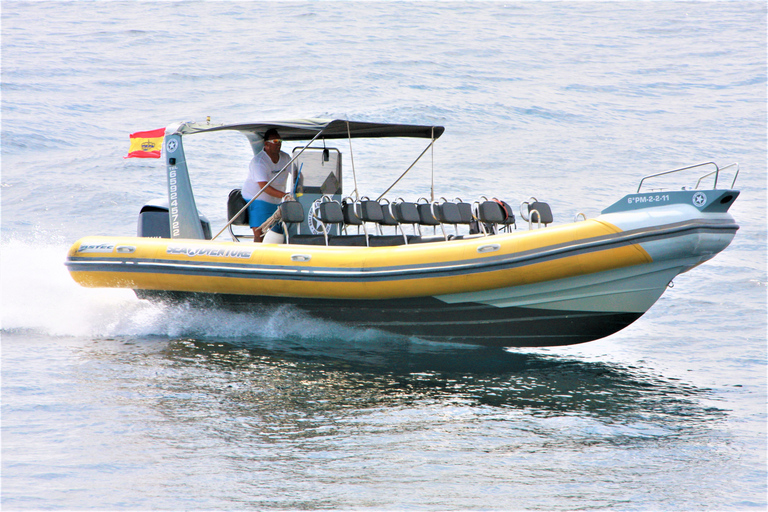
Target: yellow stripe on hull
(345, 272)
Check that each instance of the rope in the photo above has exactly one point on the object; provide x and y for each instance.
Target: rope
(275, 218)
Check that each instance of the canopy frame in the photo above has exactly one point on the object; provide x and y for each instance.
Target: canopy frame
(182, 212)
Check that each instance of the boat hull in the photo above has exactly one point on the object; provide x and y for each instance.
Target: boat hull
(430, 318)
(555, 286)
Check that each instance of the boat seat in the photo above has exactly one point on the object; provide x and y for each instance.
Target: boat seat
(465, 213)
(425, 239)
(307, 240)
(509, 215)
(536, 209)
(370, 211)
(386, 240)
(352, 240)
(448, 213)
(536, 212)
(357, 213)
(235, 203)
(490, 212)
(350, 210)
(407, 213)
(328, 213)
(387, 218)
(489, 215)
(454, 213)
(291, 212)
(427, 215)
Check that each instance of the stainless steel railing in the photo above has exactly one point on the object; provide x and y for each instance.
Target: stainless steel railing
(716, 172)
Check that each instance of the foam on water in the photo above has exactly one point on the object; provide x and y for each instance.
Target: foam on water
(40, 296)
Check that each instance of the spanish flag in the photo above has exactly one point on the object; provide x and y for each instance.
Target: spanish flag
(146, 144)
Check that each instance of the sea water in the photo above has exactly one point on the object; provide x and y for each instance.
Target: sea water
(109, 402)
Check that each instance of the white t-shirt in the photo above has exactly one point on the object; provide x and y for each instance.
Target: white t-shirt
(262, 168)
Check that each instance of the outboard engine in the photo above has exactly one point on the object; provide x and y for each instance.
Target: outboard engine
(155, 223)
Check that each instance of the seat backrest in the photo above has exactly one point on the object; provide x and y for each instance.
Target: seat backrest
(543, 209)
(449, 213)
(465, 212)
(406, 213)
(426, 217)
(387, 218)
(292, 212)
(490, 212)
(235, 203)
(370, 211)
(509, 214)
(329, 212)
(350, 211)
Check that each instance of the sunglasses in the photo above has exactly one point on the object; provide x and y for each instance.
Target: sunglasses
(273, 141)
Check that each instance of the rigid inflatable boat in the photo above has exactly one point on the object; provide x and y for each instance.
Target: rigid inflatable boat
(460, 270)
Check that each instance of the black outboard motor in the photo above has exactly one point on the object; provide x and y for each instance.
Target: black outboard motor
(155, 223)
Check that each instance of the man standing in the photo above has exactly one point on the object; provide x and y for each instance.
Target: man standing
(264, 167)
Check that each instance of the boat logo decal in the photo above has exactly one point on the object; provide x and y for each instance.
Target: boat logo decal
(217, 252)
(172, 145)
(95, 248)
(699, 199)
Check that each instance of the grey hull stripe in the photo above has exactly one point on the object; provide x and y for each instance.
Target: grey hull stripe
(401, 272)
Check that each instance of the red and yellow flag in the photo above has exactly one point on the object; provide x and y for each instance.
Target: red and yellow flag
(146, 144)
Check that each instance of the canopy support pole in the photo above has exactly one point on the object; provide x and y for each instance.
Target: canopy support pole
(432, 189)
(406, 171)
(352, 159)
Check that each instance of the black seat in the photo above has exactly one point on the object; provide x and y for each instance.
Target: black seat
(538, 208)
(454, 213)
(291, 212)
(465, 212)
(427, 216)
(357, 213)
(387, 218)
(489, 214)
(509, 215)
(407, 213)
(235, 203)
(536, 211)
(370, 211)
(448, 213)
(327, 213)
(351, 212)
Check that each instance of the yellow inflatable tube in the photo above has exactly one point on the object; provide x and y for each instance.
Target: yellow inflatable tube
(308, 271)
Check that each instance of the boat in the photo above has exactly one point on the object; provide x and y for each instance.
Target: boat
(451, 270)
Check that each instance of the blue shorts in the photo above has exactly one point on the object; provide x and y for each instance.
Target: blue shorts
(259, 211)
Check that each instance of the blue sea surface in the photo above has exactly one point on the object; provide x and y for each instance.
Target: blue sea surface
(113, 403)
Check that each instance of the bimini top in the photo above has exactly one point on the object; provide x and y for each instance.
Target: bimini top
(303, 129)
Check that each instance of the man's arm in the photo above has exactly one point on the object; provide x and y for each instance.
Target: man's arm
(272, 191)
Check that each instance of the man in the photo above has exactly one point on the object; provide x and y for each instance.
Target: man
(264, 167)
